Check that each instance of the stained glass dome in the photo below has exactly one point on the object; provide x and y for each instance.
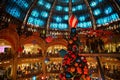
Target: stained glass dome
(54, 14)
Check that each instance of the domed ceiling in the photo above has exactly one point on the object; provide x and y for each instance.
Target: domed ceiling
(54, 14)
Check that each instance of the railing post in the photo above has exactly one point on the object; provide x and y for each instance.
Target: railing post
(101, 72)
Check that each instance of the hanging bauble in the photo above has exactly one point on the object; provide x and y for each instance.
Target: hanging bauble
(76, 64)
(74, 47)
(88, 78)
(75, 38)
(62, 76)
(85, 70)
(68, 69)
(78, 60)
(72, 69)
(80, 65)
(82, 58)
(47, 60)
(62, 52)
(68, 75)
(79, 70)
(49, 39)
(73, 32)
(73, 21)
(70, 41)
(73, 56)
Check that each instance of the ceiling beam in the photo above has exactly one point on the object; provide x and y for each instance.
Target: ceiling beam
(49, 17)
(94, 26)
(115, 6)
(28, 13)
(100, 54)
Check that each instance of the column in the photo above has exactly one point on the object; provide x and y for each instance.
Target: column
(14, 67)
(100, 69)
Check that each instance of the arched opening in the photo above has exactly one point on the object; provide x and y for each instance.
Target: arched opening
(5, 50)
(31, 50)
(29, 69)
(5, 57)
(54, 50)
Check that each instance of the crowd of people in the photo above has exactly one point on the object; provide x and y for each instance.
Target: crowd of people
(113, 73)
(30, 54)
(53, 77)
(5, 56)
(28, 69)
(54, 67)
(53, 54)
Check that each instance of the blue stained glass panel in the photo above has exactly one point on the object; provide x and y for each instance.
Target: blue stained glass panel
(41, 2)
(93, 3)
(108, 10)
(85, 24)
(48, 5)
(107, 19)
(74, 1)
(14, 11)
(73, 9)
(21, 3)
(65, 17)
(79, 7)
(44, 14)
(82, 18)
(53, 25)
(96, 12)
(36, 21)
(60, 26)
(64, 1)
(59, 8)
(35, 13)
(30, 20)
(66, 9)
(100, 0)
(57, 18)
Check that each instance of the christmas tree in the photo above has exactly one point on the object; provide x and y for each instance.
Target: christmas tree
(74, 65)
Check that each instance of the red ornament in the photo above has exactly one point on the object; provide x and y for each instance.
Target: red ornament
(73, 56)
(74, 38)
(76, 64)
(85, 70)
(72, 69)
(68, 69)
(73, 21)
(49, 39)
(70, 41)
(79, 70)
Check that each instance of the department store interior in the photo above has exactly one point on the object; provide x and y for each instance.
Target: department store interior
(33, 32)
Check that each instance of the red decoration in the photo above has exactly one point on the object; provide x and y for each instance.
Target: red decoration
(73, 21)
(76, 64)
(72, 69)
(85, 70)
(20, 49)
(74, 38)
(49, 39)
(70, 41)
(79, 70)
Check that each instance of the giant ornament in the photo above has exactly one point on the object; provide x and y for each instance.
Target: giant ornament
(73, 21)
